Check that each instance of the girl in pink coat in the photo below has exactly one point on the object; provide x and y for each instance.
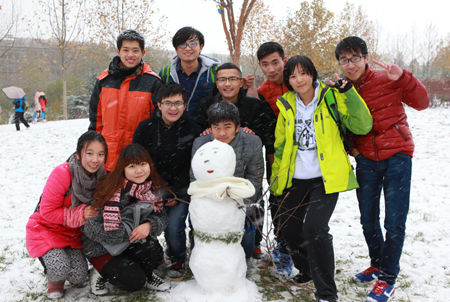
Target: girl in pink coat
(53, 232)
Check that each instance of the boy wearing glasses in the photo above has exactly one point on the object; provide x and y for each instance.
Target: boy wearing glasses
(383, 158)
(256, 116)
(189, 68)
(123, 95)
(225, 127)
(168, 136)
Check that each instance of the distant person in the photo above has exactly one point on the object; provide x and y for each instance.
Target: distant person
(311, 167)
(121, 241)
(43, 103)
(225, 127)
(191, 69)
(383, 158)
(124, 95)
(37, 107)
(53, 231)
(168, 137)
(19, 108)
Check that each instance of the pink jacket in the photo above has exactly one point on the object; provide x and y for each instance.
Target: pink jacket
(55, 225)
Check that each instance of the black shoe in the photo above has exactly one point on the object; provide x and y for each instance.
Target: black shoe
(302, 279)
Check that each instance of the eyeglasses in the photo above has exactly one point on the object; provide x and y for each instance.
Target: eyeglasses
(190, 44)
(168, 104)
(232, 80)
(354, 60)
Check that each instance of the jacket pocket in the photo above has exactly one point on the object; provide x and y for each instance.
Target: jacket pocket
(400, 132)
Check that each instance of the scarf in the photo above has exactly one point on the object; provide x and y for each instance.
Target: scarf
(82, 185)
(142, 192)
(221, 188)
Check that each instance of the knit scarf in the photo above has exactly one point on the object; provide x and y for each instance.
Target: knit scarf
(142, 192)
(82, 185)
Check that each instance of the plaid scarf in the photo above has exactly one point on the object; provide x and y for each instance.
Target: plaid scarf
(142, 192)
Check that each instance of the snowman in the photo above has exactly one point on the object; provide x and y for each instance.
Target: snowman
(218, 215)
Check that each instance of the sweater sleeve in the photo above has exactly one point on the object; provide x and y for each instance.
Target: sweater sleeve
(255, 168)
(158, 222)
(93, 229)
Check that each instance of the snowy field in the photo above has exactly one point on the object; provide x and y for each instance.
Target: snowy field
(27, 158)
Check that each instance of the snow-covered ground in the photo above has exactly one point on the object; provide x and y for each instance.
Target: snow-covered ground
(27, 158)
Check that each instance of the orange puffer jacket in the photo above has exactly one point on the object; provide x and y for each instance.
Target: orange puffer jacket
(270, 92)
(119, 103)
(385, 98)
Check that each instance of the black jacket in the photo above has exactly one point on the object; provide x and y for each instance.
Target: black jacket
(169, 147)
(253, 113)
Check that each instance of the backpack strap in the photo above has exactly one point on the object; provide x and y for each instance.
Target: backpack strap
(165, 74)
(38, 207)
(330, 101)
(213, 72)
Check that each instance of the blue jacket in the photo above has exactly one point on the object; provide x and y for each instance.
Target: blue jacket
(203, 84)
(18, 105)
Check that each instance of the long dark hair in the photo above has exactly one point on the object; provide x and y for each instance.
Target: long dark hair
(109, 184)
(88, 137)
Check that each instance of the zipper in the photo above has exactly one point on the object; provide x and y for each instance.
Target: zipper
(401, 133)
(321, 119)
(375, 147)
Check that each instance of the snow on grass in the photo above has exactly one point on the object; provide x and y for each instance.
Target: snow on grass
(27, 158)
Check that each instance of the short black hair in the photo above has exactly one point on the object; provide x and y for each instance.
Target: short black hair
(228, 66)
(130, 35)
(351, 44)
(269, 48)
(301, 62)
(223, 111)
(171, 89)
(186, 33)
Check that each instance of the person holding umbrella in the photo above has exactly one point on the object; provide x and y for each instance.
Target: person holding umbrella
(18, 96)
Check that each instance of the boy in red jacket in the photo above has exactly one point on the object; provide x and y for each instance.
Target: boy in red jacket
(383, 158)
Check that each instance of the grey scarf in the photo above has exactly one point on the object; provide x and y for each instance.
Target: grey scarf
(82, 185)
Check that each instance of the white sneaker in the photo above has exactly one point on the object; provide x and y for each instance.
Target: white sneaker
(98, 284)
(156, 283)
(251, 268)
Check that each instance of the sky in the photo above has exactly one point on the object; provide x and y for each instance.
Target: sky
(28, 157)
(393, 16)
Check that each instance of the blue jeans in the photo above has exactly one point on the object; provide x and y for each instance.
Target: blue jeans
(394, 176)
(175, 232)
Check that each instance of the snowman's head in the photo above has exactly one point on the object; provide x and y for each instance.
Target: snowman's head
(213, 160)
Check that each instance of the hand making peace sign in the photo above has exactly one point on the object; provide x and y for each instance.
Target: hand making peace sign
(392, 71)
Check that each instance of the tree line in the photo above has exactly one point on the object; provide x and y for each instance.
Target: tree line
(83, 42)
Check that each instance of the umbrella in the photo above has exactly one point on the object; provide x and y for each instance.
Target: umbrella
(14, 93)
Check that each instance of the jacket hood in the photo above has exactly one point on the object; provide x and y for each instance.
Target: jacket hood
(207, 61)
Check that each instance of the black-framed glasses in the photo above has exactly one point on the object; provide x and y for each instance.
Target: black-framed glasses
(168, 104)
(353, 60)
(190, 44)
(232, 80)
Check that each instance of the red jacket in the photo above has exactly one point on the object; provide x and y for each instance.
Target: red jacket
(270, 92)
(385, 98)
(119, 103)
(47, 228)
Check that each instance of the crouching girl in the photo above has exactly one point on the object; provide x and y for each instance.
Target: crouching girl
(121, 241)
(53, 231)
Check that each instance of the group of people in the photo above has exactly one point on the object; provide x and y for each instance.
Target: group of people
(20, 106)
(127, 181)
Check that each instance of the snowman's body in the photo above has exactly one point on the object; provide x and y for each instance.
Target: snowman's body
(217, 216)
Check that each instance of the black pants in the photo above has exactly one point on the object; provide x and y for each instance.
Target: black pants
(129, 271)
(19, 117)
(304, 217)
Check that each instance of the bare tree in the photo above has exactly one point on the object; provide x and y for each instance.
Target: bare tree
(234, 29)
(107, 18)
(10, 18)
(429, 48)
(62, 19)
